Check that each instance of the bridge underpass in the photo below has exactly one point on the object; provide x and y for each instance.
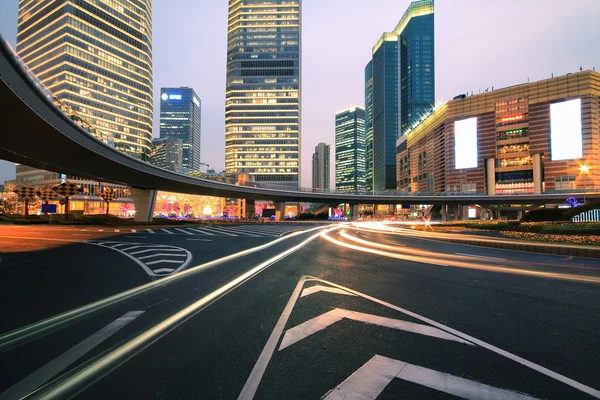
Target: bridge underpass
(37, 133)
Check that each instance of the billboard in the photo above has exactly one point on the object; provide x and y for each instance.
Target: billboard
(465, 143)
(566, 135)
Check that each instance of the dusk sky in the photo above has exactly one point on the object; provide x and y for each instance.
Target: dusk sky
(479, 44)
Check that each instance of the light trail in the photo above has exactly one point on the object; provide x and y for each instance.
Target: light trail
(12, 338)
(448, 262)
(114, 358)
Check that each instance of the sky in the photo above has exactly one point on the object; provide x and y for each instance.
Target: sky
(478, 44)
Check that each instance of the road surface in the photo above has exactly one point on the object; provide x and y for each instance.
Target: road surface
(291, 312)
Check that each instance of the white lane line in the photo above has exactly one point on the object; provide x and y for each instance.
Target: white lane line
(202, 231)
(372, 378)
(134, 230)
(164, 261)
(200, 240)
(161, 270)
(111, 360)
(51, 369)
(162, 255)
(531, 365)
(251, 385)
(321, 322)
(320, 288)
(473, 255)
(394, 243)
(186, 232)
(169, 232)
(150, 230)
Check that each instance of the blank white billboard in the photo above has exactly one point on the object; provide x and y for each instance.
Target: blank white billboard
(566, 135)
(465, 143)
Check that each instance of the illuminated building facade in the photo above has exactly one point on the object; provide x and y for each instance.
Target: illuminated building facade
(95, 57)
(401, 86)
(181, 117)
(167, 153)
(262, 121)
(350, 149)
(529, 138)
(369, 126)
(321, 169)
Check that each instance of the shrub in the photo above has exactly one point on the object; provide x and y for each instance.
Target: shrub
(543, 214)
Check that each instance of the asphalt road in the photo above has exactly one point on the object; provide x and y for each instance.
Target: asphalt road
(356, 314)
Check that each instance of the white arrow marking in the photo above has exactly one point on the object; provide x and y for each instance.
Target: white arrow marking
(320, 288)
(321, 322)
(371, 379)
(161, 270)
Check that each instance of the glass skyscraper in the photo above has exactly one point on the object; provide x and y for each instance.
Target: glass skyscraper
(262, 109)
(403, 86)
(95, 57)
(369, 125)
(321, 161)
(350, 149)
(180, 117)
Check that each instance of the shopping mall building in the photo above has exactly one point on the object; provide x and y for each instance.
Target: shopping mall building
(529, 138)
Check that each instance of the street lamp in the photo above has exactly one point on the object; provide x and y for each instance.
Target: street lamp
(585, 171)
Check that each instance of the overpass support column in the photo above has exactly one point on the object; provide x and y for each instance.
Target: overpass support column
(279, 210)
(491, 176)
(355, 212)
(250, 209)
(144, 200)
(537, 173)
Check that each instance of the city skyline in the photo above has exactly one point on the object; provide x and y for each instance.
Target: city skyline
(554, 51)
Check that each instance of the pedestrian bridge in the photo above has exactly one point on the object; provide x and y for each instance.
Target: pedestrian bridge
(36, 132)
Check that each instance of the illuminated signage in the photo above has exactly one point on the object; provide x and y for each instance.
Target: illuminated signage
(465, 143)
(196, 101)
(174, 97)
(165, 96)
(513, 119)
(566, 135)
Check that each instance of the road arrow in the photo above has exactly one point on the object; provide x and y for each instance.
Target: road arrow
(321, 322)
(372, 378)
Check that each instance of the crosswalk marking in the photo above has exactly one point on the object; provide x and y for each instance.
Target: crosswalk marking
(223, 231)
(186, 232)
(169, 232)
(201, 231)
(161, 255)
(150, 230)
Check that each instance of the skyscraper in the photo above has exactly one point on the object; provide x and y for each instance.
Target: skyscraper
(180, 117)
(403, 86)
(369, 126)
(262, 108)
(350, 149)
(95, 57)
(167, 153)
(321, 160)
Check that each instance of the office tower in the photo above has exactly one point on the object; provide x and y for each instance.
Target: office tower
(95, 57)
(369, 126)
(350, 149)
(167, 153)
(262, 119)
(321, 167)
(403, 86)
(180, 117)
